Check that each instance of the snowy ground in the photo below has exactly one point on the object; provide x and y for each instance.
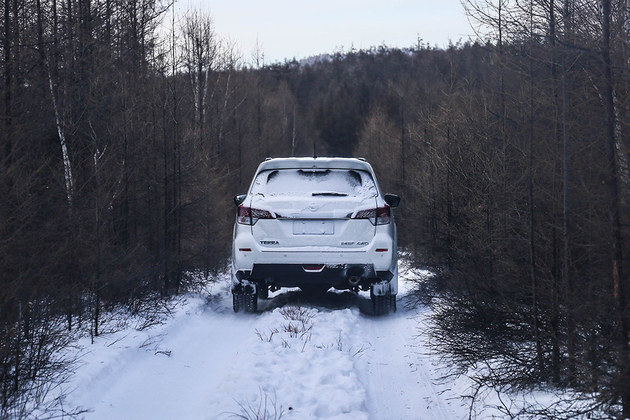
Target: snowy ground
(300, 358)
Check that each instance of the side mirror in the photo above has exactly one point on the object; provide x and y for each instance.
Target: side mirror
(238, 199)
(393, 200)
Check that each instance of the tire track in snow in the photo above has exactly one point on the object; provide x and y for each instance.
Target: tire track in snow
(398, 380)
(191, 360)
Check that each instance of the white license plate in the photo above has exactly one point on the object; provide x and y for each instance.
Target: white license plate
(313, 227)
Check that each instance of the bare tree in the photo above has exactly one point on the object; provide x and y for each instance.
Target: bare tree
(614, 197)
(200, 51)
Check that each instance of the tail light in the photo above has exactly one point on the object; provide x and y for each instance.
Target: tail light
(249, 215)
(378, 216)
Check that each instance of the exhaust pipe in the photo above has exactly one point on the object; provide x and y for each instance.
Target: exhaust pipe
(354, 280)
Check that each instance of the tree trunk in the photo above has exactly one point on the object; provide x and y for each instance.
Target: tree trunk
(557, 278)
(65, 155)
(612, 184)
(8, 85)
(531, 205)
(566, 276)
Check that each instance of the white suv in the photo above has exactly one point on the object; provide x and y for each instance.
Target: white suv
(315, 223)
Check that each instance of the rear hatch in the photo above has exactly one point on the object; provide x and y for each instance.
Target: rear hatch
(313, 208)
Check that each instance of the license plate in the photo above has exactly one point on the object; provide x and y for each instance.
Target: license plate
(313, 227)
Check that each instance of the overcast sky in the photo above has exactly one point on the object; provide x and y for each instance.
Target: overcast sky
(291, 28)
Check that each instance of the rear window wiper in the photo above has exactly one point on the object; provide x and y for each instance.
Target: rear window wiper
(330, 194)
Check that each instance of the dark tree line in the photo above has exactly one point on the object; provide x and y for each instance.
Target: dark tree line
(105, 183)
(122, 145)
(525, 163)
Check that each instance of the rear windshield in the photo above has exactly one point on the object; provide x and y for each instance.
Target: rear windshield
(315, 182)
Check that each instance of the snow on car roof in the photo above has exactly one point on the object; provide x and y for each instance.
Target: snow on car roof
(315, 163)
(313, 182)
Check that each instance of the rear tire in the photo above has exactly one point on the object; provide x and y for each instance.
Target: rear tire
(384, 304)
(236, 301)
(250, 303)
(244, 300)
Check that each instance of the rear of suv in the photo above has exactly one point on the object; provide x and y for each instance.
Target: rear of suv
(315, 223)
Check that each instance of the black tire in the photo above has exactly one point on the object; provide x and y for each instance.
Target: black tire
(250, 302)
(392, 303)
(245, 300)
(236, 301)
(382, 305)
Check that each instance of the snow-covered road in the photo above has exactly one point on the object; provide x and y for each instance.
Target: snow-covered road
(299, 357)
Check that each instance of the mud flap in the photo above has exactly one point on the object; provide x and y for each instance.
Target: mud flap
(382, 288)
(244, 286)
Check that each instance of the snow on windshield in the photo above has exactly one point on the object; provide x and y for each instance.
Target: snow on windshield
(315, 182)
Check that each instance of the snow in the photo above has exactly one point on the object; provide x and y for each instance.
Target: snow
(309, 182)
(323, 358)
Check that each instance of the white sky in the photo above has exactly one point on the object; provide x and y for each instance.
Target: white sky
(293, 28)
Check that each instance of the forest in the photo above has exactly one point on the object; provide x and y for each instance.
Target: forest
(125, 133)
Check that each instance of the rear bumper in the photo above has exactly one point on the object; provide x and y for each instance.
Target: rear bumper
(296, 275)
(379, 253)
